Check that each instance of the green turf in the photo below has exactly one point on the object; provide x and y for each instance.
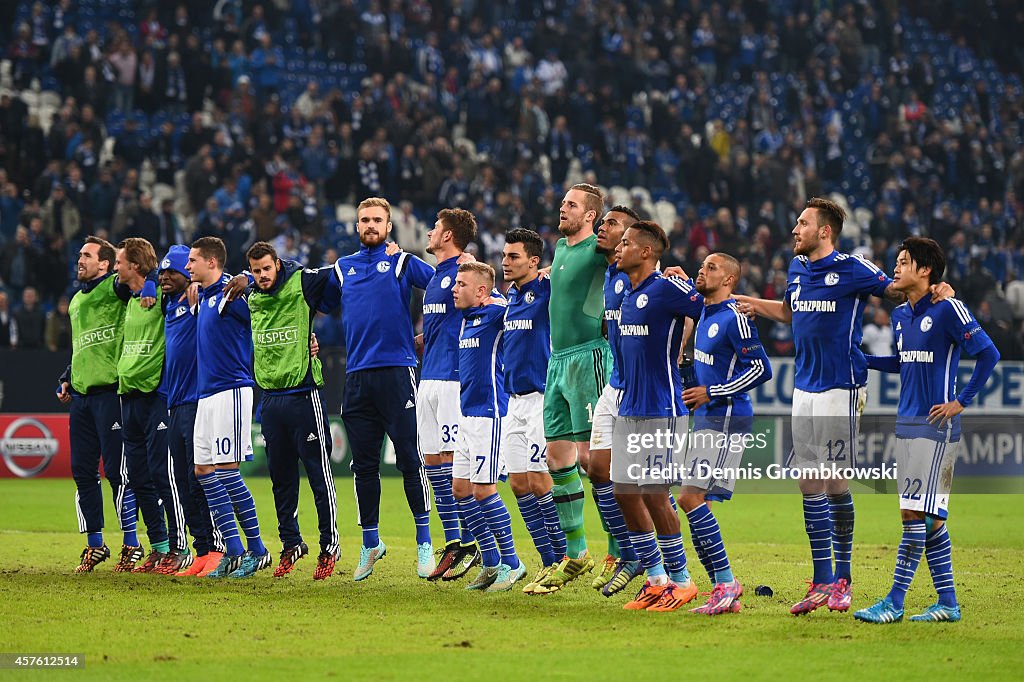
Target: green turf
(395, 626)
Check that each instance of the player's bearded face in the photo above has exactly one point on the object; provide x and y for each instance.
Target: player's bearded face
(571, 213)
(88, 263)
(805, 240)
(373, 226)
(568, 224)
(707, 282)
(265, 271)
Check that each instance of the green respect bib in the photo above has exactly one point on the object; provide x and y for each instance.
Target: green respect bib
(142, 355)
(97, 325)
(281, 324)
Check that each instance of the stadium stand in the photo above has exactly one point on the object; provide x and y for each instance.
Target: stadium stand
(718, 119)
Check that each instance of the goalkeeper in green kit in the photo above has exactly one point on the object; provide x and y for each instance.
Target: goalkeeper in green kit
(577, 372)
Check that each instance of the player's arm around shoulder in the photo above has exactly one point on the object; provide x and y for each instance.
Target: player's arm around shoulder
(494, 310)
(238, 285)
(418, 271)
(316, 286)
(237, 309)
(682, 297)
(778, 311)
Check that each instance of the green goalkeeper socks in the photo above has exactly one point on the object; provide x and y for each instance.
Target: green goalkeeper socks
(568, 494)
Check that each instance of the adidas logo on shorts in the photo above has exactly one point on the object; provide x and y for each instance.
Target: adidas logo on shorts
(115, 427)
(161, 427)
(310, 438)
(410, 404)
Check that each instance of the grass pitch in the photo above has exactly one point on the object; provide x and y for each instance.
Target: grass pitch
(396, 626)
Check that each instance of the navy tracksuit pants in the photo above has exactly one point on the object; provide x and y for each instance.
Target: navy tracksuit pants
(295, 428)
(378, 401)
(180, 431)
(95, 430)
(144, 430)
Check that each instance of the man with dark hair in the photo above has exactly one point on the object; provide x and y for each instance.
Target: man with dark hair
(650, 334)
(144, 415)
(437, 402)
(929, 339)
(824, 302)
(620, 565)
(282, 305)
(577, 372)
(527, 349)
(90, 384)
(223, 428)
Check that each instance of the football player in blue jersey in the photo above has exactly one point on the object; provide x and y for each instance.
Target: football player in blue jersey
(437, 401)
(182, 400)
(621, 565)
(824, 301)
(929, 339)
(527, 350)
(478, 463)
(223, 426)
(375, 288)
(652, 417)
(729, 361)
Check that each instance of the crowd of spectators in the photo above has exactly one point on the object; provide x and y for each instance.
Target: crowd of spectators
(269, 120)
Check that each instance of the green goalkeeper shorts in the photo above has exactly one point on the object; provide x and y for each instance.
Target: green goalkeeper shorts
(576, 377)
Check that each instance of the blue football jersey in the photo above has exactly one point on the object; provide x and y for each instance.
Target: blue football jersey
(441, 325)
(651, 329)
(828, 298)
(616, 283)
(728, 358)
(224, 342)
(481, 362)
(929, 338)
(180, 353)
(527, 337)
(375, 291)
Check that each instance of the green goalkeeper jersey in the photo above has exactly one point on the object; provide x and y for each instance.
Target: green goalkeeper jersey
(577, 293)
